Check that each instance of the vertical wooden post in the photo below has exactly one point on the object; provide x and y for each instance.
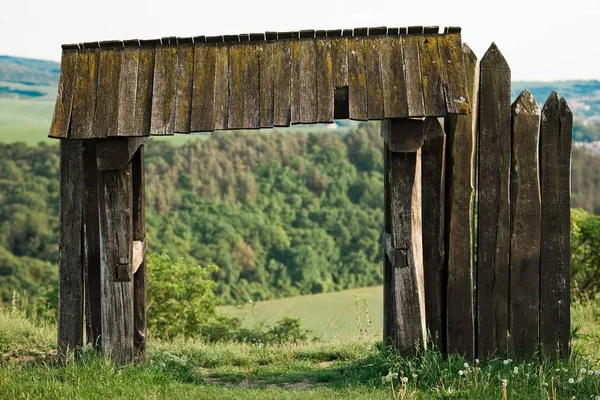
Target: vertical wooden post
(70, 272)
(555, 173)
(115, 208)
(525, 227)
(460, 196)
(434, 263)
(493, 235)
(139, 233)
(91, 243)
(404, 312)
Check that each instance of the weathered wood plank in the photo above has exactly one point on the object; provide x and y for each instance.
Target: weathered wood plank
(84, 94)
(555, 153)
(525, 224)
(221, 98)
(184, 84)
(116, 153)
(406, 229)
(115, 209)
(203, 89)
(339, 57)
(107, 103)
(389, 304)
(433, 198)
(455, 85)
(431, 75)
(144, 89)
(395, 102)
(308, 82)
(295, 86)
(139, 233)
(493, 237)
(412, 74)
(460, 198)
(282, 70)
(70, 273)
(91, 245)
(410, 138)
(237, 94)
(252, 87)
(325, 86)
(267, 99)
(61, 119)
(373, 52)
(164, 90)
(128, 78)
(357, 79)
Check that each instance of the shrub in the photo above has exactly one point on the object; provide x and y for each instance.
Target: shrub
(585, 253)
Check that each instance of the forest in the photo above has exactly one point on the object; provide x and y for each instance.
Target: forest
(279, 214)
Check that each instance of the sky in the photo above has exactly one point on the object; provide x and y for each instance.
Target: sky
(541, 40)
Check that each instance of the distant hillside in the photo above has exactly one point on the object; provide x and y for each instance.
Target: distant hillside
(28, 71)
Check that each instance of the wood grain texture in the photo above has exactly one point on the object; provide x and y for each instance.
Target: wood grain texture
(461, 133)
(555, 156)
(357, 80)
(184, 84)
(116, 153)
(144, 89)
(139, 233)
(266, 66)
(282, 70)
(395, 103)
(84, 94)
(455, 85)
(339, 57)
(91, 245)
(70, 273)
(373, 54)
(295, 87)
(221, 98)
(164, 90)
(525, 213)
(389, 304)
(431, 75)
(203, 89)
(325, 78)
(115, 209)
(107, 102)
(128, 79)
(61, 119)
(412, 73)
(237, 56)
(252, 87)
(308, 82)
(433, 204)
(403, 135)
(493, 238)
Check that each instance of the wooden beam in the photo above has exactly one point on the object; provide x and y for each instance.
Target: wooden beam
(139, 236)
(70, 274)
(116, 153)
(402, 134)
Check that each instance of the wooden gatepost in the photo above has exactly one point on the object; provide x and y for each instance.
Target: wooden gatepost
(513, 299)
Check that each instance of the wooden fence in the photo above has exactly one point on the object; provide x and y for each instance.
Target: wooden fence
(476, 211)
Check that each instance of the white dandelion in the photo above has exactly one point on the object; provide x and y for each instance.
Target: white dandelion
(461, 372)
(571, 380)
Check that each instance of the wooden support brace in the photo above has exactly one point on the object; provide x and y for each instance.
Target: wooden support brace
(403, 135)
(116, 153)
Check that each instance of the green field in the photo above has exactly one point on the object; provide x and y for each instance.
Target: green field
(25, 120)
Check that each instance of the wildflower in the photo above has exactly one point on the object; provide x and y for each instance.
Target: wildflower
(565, 370)
(505, 362)
(571, 380)
(527, 376)
(597, 398)
(583, 370)
(415, 376)
(583, 358)
(461, 372)
(404, 379)
(516, 370)
(466, 365)
(590, 372)
(545, 384)
(557, 370)
(477, 361)
(597, 373)
(390, 376)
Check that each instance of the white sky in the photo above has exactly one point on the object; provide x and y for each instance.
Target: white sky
(541, 39)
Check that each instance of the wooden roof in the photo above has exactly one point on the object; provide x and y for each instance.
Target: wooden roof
(251, 81)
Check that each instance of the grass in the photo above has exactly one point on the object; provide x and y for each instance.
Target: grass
(327, 369)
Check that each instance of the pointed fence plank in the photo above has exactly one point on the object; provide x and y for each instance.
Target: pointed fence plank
(555, 156)
(434, 266)
(493, 237)
(164, 90)
(115, 209)
(183, 95)
(84, 94)
(357, 80)
(252, 87)
(128, 79)
(455, 85)
(460, 197)
(308, 82)
(325, 78)
(203, 88)
(282, 70)
(431, 74)
(266, 62)
(144, 89)
(373, 50)
(70, 273)
(412, 72)
(221, 98)
(61, 119)
(395, 101)
(525, 227)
